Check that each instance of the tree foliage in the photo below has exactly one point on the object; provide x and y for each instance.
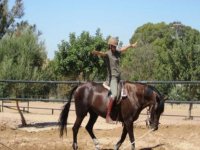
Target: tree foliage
(8, 17)
(74, 58)
(175, 49)
(173, 52)
(22, 55)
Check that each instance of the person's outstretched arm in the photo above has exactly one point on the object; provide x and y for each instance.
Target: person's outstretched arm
(98, 53)
(123, 49)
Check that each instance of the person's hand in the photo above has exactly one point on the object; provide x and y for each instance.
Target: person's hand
(93, 52)
(134, 44)
(98, 53)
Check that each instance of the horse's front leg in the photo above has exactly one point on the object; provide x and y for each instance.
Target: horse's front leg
(123, 137)
(129, 128)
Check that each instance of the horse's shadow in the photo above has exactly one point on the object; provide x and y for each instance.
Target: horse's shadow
(146, 148)
(41, 125)
(151, 148)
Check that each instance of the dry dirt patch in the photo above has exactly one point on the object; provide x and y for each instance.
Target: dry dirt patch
(175, 133)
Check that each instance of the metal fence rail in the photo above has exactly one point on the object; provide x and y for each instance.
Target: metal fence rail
(27, 108)
(78, 82)
(33, 99)
(50, 82)
(182, 102)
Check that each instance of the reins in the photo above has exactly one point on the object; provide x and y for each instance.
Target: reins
(6, 146)
(138, 138)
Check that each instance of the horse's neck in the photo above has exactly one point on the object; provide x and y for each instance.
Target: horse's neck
(141, 94)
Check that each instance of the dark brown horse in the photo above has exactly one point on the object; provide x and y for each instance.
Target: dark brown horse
(92, 98)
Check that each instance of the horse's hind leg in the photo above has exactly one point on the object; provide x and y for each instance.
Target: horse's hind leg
(75, 131)
(89, 128)
(123, 136)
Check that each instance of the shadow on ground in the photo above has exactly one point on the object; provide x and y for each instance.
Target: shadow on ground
(151, 148)
(41, 125)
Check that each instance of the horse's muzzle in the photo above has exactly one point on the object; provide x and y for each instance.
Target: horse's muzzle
(153, 126)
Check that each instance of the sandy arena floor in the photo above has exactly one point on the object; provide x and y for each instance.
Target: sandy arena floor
(175, 133)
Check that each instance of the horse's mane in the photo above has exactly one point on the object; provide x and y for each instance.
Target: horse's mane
(155, 89)
(158, 97)
(150, 86)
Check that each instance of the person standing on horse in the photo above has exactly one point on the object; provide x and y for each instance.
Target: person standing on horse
(113, 58)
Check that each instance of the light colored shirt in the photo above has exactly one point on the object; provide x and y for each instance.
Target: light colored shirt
(113, 59)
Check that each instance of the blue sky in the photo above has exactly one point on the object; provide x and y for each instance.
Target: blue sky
(57, 19)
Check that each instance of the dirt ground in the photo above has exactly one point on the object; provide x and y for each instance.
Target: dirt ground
(175, 132)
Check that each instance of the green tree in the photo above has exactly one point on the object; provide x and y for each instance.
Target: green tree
(175, 51)
(8, 17)
(22, 56)
(139, 64)
(23, 51)
(74, 59)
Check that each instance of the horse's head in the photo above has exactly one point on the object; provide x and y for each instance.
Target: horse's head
(156, 109)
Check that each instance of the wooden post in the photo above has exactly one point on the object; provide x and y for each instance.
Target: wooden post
(2, 105)
(52, 112)
(28, 107)
(21, 114)
(190, 117)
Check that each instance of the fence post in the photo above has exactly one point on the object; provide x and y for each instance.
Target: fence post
(28, 107)
(190, 117)
(52, 111)
(2, 105)
(24, 109)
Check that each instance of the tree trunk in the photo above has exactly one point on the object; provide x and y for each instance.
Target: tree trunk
(21, 114)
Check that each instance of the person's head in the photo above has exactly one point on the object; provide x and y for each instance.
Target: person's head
(112, 43)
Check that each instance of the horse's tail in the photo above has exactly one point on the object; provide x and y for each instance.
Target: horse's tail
(65, 112)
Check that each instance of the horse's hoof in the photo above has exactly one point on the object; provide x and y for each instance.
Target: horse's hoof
(75, 146)
(97, 148)
(116, 147)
